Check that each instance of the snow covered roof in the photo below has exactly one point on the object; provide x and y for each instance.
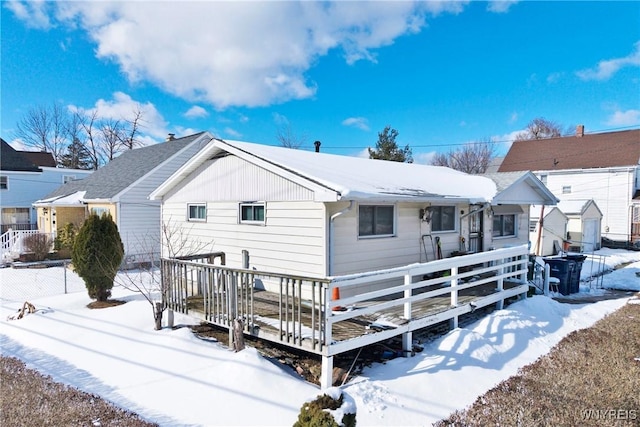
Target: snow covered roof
(335, 177)
(73, 199)
(576, 207)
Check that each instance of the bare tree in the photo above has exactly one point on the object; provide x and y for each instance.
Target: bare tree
(473, 158)
(540, 128)
(287, 138)
(129, 130)
(46, 129)
(147, 280)
(91, 140)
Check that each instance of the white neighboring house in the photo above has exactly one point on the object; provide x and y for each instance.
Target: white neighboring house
(315, 214)
(26, 176)
(599, 166)
(122, 188)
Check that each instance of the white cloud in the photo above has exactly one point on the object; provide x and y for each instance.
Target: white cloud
(500, 6)
(196, 112)
(123, 107)
(232, 132)
(624, 118)
(607, 68)
(280, 119)
(357, 122)
(236, 53)
(554, 77)
(514, 117)
(34, 13)
(424, 158)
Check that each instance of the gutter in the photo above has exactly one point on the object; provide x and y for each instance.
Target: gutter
(333, 217)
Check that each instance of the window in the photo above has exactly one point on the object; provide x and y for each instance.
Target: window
(504, 225)
(4, 182)
(566, 189)
(375, 221)
(252, 212)
(100, 211)
(197, 212)
(67, 178)
(443, 218)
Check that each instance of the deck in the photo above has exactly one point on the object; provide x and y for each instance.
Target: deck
(299, 311)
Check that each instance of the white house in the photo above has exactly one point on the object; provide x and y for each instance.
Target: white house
(25, 177)
(598, 166)
(122, 188)
(316, 214)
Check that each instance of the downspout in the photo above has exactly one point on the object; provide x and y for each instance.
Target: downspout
(332, 218)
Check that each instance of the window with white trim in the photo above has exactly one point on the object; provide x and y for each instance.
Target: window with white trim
(100, 211)
(504, 225)
(4, 182)
(443, 218)
(252, 213)
(566, 189)
(197, 212)
(376, 220)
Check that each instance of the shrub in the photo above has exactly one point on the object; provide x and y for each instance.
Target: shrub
(323, 411)
(97, 254)
(39, 244)
(66, 237)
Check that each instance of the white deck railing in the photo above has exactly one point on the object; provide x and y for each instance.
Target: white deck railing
(12, 243)
(227, 292)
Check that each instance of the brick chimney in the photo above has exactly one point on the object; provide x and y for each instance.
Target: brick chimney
(580, 131)
(317, 144)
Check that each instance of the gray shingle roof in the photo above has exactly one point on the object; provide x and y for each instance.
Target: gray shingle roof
(504, 180)
(124, 170)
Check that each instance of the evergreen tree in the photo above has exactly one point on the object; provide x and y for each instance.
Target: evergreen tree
(387, 148)
(97, 254)
(76, 156)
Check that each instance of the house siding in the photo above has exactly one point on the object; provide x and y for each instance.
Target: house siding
(291, 241)
(611, 189)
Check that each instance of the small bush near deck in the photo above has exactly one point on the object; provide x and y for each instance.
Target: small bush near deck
(39, 244)
(315, 414)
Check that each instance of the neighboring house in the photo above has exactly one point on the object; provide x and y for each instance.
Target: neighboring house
(121, 188)
(547, 237)
(599, 166)
(26, 176)
(316, 214)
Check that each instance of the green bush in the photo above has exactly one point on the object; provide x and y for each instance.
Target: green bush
(97, 254)
(313, 414)
(38, 244)
(66, 237)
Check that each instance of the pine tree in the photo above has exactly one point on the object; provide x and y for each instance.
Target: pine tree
(97, 254)
(76, 156)
(387, 148)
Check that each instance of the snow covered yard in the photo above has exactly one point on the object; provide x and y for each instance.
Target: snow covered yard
(173, 378)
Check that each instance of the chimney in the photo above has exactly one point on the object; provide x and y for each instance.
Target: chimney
(580, 131)
(171, 137)
(317, 145)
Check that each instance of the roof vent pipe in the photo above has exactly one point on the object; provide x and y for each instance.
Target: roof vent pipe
(317, 145)
(580, 131)
(171, 137)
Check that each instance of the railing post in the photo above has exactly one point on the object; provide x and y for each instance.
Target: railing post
(547, 273)
(326, 374)
(453, 323)
(500, 283)
(407, 337)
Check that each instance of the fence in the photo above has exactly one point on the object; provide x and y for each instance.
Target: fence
(24, 284)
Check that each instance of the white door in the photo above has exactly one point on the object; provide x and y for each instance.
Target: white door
(589, 235)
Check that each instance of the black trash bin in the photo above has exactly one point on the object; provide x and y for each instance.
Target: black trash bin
(574, 281)
(561, 269)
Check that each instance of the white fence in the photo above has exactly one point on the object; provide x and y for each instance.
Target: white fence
(12, 243)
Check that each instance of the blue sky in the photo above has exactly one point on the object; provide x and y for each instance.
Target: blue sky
(441, 73)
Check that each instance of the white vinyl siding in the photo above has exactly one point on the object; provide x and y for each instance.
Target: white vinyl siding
(232, 179)
(611, 189)
(292, 240)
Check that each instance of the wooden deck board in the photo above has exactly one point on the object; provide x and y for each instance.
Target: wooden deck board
(266, 306)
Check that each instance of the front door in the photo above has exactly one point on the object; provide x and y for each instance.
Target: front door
(476, 230)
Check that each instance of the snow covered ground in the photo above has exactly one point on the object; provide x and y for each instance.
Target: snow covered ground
(176, 379)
